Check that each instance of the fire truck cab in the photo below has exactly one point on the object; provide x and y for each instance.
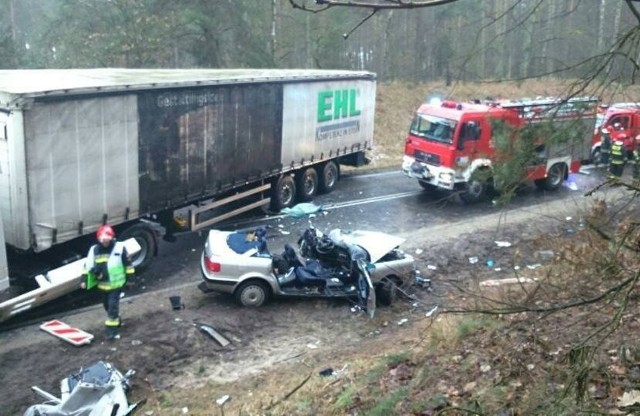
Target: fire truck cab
(451, 145)
(622, 121)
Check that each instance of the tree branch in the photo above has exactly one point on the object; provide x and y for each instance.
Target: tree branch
(368, 4)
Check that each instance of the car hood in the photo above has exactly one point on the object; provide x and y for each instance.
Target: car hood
(376, 243)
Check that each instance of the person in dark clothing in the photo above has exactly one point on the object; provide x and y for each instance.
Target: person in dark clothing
(635, 157)
(108, 267)
(618, 160)
(605, 147)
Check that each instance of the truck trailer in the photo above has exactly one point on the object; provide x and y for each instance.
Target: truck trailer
(153, 152)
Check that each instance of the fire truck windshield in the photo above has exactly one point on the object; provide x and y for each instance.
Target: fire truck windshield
(433, 128)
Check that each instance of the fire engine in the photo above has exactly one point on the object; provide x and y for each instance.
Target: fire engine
(452, 145)
(622, 121)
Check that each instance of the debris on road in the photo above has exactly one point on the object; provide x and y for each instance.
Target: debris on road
(212, 333)
(99, 389)
(507, 281)
(503, 244)
(176, 304)
(67, 333)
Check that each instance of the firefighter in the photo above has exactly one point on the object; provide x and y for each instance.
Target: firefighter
(636, 159)
(618, 159)
(108, 267)
(605, 147)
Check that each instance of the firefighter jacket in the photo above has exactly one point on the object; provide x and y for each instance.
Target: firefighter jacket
(617, 153)
(108, 267)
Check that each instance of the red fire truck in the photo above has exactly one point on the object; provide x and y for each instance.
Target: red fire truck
(453, 145)
(622, 120)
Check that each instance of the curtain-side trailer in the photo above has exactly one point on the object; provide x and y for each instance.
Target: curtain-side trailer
(155, 151)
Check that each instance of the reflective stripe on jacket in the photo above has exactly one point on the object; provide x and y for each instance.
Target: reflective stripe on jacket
(115, 268)
(617, 153)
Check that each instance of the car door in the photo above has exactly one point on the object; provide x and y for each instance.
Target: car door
(366, 291)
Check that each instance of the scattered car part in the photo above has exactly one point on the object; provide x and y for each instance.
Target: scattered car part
(212, 333)
(99, 389)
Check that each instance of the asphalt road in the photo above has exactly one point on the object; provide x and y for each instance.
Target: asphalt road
(385, 201)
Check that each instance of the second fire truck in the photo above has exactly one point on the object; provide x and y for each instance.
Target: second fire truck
(462, 146)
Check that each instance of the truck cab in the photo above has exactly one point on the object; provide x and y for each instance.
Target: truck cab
(448, 141)
(622, 120)
(452, 145)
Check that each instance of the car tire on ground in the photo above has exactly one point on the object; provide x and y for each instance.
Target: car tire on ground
(386, 292)
(253, 293)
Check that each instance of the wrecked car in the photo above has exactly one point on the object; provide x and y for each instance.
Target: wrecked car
(366, 265)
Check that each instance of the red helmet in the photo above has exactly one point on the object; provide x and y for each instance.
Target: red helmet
(105, 232)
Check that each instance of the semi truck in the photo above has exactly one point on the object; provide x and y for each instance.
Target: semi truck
(457, 146)
(154, 152)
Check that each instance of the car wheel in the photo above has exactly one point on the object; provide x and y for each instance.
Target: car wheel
(284, 193)
(147, 241)
(329, 177)
(386, 292)
(307, 184)
(252, 294)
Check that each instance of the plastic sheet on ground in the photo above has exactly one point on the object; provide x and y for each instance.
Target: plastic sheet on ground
(300, 210)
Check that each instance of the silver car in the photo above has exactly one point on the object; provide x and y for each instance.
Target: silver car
(366, 265)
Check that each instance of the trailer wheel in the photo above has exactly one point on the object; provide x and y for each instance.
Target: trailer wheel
(284, 193)
(146, 237)
(329, 177)
(555, 178)
(307, 184)
(253, 293)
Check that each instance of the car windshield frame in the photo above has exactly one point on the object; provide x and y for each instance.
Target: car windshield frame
(433, 128)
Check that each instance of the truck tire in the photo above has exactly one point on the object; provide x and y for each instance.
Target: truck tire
(284, 193)
(329, 177)
(307, 184)
(474, 191)
(386, 292)
(146, 237)
(554, 179)
(253, 294)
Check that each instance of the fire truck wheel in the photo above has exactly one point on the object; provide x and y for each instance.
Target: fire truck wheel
(284, 193)
(555, 178)
(329, 177)
(475, 191)
(307, 184)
